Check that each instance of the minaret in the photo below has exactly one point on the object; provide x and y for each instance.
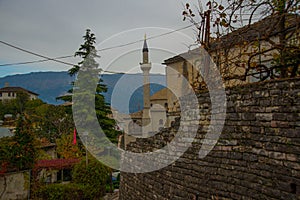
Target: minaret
(146, 67)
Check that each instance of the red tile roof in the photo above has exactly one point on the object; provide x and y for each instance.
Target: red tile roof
(56, 163)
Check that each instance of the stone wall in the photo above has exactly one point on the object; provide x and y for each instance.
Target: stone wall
(257, 155)
(15, 186)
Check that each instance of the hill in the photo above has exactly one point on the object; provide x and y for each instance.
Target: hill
(122, 88)
(48, 85)
(125, 91)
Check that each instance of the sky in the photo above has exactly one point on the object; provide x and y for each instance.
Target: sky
(55, 28)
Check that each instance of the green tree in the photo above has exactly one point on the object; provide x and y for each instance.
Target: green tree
(21, 100)
(14, 106)
(51, 121)
(65, 147)
(6, 154)
(24, 146)
(93, 177)
(7, 107)
(22, 104)
(30, 106)
(88, 53)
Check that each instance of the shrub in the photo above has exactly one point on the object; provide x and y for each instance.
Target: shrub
(61, 192)
(93, 177)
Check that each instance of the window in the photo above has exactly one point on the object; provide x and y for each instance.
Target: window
(134, 128)
(161, 122)
(64, 175)
(9, 94)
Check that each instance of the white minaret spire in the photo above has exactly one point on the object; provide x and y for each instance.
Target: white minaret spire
(146, 67)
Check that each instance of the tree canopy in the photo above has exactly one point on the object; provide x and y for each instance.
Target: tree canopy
(87, 51)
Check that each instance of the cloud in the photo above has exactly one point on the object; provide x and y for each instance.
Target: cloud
(55, 28)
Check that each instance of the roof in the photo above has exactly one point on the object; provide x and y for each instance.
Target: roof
(264, 28)
(160, 95)
(119, 116)
(56, 164)
(16, 89)
(136, 115)
(67, 103)
(145, 46)
(45, 143)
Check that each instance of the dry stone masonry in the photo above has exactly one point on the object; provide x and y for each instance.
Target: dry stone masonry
(257, 155)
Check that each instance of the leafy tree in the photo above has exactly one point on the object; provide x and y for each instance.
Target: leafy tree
(65, 147)
(21, 100)
(31, 105)
(51, 121)
(93, 177)
(6, 154)
(7, 107)
(24, 145)
(22, 104)
(229, 15)
(14, 106)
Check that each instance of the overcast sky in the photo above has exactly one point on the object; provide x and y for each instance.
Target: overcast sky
(55, 28)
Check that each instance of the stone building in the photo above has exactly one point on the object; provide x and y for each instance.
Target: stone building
(245, 55)
(8, 92)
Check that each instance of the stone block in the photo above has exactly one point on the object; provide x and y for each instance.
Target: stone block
(264, 116)
(280, 116)
(248, 116)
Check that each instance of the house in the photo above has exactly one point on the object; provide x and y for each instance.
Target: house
(245, 55)
(8, 92)
(49, 150)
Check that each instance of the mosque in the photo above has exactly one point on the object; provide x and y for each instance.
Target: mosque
(153, 116)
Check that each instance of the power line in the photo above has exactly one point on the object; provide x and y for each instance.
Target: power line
(33, 53)
(46, 58)
(36, 61)
(149, 38)
(56, 58)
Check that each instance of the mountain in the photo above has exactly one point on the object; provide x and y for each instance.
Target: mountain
(125, 92)
(48, 85)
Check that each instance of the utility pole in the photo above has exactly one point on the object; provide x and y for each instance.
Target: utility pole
(207, 28)
(85, 134)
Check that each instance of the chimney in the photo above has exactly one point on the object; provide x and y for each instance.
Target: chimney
(6, 84)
